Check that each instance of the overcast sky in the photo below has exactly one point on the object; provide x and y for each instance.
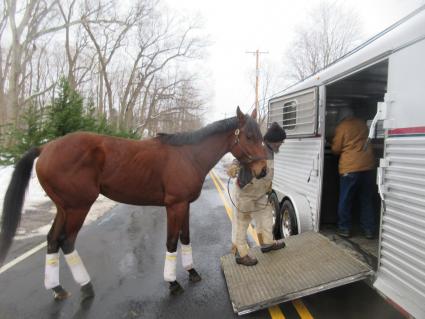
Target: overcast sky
(236, 26)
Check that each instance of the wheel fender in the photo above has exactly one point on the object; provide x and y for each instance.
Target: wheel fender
(302, 211)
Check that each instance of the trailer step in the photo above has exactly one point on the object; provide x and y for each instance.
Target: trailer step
(309, 263)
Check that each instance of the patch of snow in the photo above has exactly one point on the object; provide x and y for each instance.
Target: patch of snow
(35, 194)
(36, 197)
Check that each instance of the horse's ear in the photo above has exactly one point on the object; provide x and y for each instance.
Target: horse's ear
(254, 114)
(241, 117)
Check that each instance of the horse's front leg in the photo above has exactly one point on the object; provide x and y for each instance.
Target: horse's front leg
(175, 217)
(187, 259)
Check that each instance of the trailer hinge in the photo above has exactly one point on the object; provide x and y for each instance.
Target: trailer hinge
(389, 99)
(382, 188)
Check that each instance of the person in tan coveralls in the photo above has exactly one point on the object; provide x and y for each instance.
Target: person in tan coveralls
(356, 166)
(251, 200)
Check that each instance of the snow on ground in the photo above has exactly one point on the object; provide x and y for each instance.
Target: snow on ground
(38, 211)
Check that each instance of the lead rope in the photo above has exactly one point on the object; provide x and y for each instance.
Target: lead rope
(250, 211)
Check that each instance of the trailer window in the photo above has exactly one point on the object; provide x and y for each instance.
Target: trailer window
(297, 112)
(289, 115)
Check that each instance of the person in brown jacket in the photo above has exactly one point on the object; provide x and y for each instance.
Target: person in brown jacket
(356, 165)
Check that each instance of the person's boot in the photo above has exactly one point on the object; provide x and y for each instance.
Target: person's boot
(369, 234)
(343, 232)
(246, 260)
(278, 244)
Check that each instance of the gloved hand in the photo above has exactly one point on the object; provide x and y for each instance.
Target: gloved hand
(233, 170)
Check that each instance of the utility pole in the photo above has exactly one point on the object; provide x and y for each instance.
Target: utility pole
(257, 74)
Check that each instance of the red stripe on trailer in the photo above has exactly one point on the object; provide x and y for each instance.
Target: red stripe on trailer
(407, 130)
(400, 309)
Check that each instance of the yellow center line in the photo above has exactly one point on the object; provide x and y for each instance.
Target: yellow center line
(275, 311)
(302, 309)
(251, 230)
(226, 206)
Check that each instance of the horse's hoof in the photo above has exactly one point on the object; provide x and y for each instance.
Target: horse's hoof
(87, 292)
(175, 288)
(194, 276)
(60, 294)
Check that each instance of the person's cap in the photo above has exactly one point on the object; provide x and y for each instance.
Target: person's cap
(275, 133)
(344, 112)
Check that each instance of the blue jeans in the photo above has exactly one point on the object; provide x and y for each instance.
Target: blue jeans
(360, 184)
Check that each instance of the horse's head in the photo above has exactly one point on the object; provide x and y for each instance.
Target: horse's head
(248, 144)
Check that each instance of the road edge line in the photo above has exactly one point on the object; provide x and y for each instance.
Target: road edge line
(22, 257)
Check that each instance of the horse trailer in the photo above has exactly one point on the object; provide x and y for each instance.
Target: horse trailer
(383, 81)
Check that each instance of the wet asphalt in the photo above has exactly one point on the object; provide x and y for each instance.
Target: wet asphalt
(124, 253)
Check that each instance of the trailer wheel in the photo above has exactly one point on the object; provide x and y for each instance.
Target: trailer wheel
(274, 201)
(287, 220)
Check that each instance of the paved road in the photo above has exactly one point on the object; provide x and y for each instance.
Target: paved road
(124, 254)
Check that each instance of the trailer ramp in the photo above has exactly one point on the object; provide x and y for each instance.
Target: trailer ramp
(309, 263)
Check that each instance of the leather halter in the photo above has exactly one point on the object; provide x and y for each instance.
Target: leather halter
(249, 158)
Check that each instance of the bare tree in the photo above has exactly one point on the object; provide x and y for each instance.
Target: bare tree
(162, 45)
(76, 42)
(25, 27)
(332, 30)
(127, 63)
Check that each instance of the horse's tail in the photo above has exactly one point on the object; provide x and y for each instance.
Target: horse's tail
(14, 200)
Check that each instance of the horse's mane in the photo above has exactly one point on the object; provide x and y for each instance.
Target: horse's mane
(211, 129)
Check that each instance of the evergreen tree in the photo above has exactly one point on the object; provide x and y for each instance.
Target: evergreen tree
(65, 115)
(18, 140)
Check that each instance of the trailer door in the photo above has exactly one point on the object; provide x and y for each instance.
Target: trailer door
(401, 268)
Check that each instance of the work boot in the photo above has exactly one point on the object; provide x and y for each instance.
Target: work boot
(369, 234)
(278, 244)
(343, 233)
(246, 260)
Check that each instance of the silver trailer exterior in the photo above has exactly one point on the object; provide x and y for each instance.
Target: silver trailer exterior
(387, 74)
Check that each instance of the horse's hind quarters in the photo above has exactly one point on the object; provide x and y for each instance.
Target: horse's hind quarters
(175, 288)
(194, 276)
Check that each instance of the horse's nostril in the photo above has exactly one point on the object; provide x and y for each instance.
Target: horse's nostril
(263, 173)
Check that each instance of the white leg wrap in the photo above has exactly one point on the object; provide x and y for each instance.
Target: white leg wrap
(187, 260)
(170, 266)
(51, 272)
(78, 270)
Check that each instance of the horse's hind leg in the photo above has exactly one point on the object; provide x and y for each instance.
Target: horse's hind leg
(51, 274)
(63, 235)
(74, 221)
(186, 247)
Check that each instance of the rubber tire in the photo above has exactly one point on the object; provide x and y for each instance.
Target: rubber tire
(274, 201)
(287, 212)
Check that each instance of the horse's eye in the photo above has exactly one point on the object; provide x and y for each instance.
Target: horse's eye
(249, 137)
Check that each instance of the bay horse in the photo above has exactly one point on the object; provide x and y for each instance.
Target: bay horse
(168, 170)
